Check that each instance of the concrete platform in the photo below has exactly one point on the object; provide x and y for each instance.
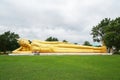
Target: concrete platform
(31, 54)
(18, 54)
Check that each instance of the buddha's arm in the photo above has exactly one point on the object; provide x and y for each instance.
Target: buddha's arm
(18, 49)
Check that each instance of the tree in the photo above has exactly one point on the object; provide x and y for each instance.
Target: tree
(87, 43)
(112, 36)
(51, 39)
(65, 41)
(75, 43)
(8, 41)
(108, 31)
(98, 31)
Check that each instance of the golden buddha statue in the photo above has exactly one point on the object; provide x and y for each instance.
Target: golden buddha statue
(55, 47)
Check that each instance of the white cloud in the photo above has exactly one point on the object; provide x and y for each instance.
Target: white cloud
(65, 19)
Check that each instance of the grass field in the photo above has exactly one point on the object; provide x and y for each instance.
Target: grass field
(59, 67)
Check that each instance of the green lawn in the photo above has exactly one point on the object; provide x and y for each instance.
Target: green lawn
(60, 67)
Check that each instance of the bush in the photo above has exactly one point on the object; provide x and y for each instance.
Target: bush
(117, 53)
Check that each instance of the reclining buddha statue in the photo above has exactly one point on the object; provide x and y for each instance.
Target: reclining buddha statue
(55, 47)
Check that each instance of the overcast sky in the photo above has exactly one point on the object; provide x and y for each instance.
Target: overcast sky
(65, 19)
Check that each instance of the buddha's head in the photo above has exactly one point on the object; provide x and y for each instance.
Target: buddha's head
(23, 42)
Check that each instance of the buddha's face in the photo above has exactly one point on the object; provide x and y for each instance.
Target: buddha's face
(23, 42)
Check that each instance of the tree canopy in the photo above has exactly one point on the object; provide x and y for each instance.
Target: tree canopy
(108, 31)
(51, 39)
(98, 31)
(65, 41)
(112, 37)
(87, 43)
(8, 41)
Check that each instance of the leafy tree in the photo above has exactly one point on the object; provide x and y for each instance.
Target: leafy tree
(76, 43)
(112, 37)
(51, 39)
(98, 31)
(8, 41)
(87, 43)
(108, 31)
(65, 41)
